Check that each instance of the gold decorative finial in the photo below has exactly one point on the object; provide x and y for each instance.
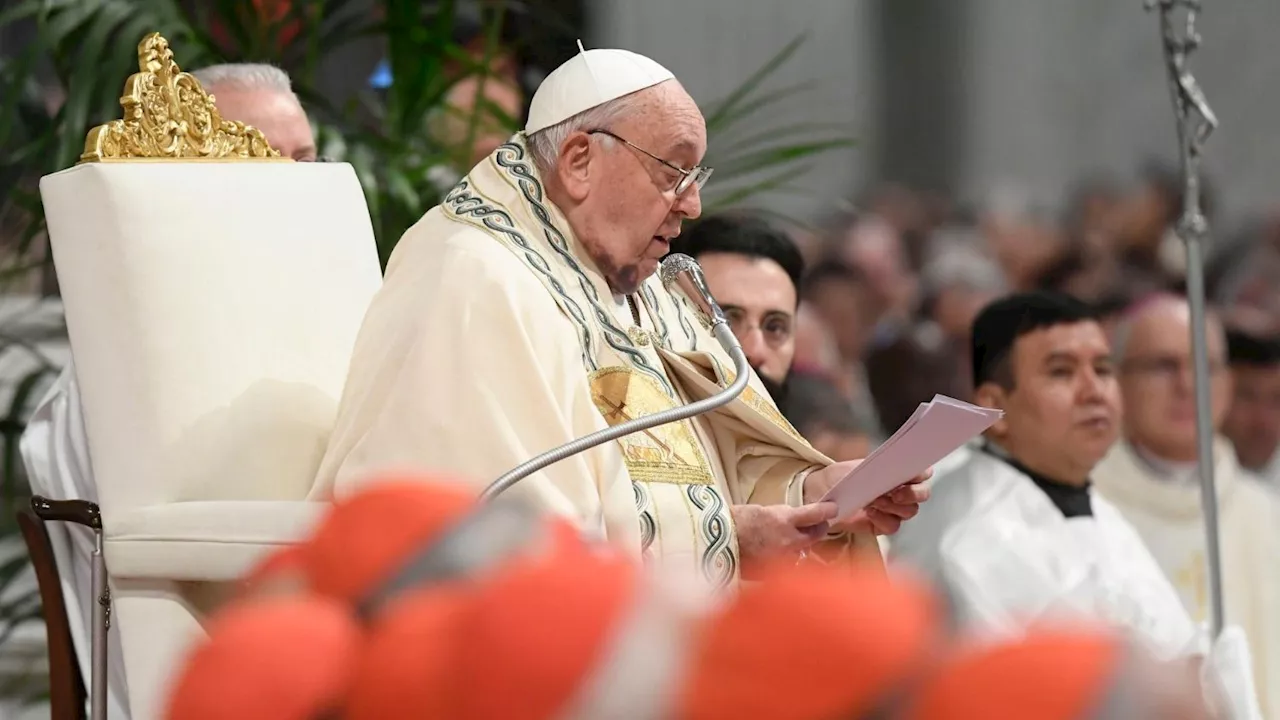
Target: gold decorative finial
(167, 115)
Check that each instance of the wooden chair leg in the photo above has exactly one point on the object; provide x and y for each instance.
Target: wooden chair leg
(66, 684)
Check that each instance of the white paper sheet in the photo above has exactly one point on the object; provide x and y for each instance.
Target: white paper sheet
(936, 429)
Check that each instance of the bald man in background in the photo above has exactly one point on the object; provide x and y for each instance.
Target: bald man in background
(1151, 476)
(54, 446)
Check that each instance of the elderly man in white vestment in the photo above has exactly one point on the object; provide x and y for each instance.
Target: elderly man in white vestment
(1152, 477)
(1015, 531)
(524, 312)
(54, 447)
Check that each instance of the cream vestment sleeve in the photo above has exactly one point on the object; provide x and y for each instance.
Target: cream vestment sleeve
(465, 368)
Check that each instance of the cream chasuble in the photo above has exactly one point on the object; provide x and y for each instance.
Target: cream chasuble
(494, 338)
(1164, 506)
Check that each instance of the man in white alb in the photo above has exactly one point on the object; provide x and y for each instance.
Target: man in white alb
(1015, 531)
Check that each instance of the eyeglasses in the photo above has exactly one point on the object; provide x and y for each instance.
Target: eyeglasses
(1166, 367)
(688, 178)
(774, 327)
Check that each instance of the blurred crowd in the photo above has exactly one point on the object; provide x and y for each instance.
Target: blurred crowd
(887, 293)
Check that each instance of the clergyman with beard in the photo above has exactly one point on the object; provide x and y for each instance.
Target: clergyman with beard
(753, 270)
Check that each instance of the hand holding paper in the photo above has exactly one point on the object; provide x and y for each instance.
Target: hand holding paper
(936, 429)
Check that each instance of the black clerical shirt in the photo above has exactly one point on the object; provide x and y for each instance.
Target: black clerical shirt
(1071, 500)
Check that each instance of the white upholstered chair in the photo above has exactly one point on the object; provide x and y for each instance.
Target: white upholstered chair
(212, 305)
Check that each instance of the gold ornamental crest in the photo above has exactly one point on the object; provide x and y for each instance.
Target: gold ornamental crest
(168, 115)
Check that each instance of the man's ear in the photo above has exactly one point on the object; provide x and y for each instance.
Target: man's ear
(574, 166)
(991, 395)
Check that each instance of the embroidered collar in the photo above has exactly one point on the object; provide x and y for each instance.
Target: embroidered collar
(504, 198)
(1127, 479)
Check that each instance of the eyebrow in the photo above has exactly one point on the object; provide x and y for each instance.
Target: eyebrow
(1072, 357)
(1060, 357)
(767, 313)
(685, 145)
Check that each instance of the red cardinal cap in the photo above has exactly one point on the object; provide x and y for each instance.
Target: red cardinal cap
(366, 537)
(536, 632)
(1047, 676)
(812, 643)
(408, 669)
(274, 659)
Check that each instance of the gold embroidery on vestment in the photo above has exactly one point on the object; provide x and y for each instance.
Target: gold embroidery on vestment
(668, 453)
(638, 335)
(757, 403)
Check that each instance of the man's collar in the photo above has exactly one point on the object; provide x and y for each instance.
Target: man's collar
(1070, 499)
(1162, 469)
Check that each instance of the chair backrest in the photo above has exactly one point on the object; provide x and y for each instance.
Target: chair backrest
(212, 308)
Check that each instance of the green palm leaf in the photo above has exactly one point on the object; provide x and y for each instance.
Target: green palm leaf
(766, 160)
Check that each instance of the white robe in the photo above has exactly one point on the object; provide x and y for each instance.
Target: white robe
(1163, 504)
(495, 337)
(1268, 475)
(55, 451)
(1010, 558)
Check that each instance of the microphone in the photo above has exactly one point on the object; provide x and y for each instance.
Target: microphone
(682, 276)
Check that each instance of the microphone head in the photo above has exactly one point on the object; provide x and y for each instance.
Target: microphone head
(682, 275)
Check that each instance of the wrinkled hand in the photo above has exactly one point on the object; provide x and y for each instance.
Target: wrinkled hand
(884, 515)
(766, 531)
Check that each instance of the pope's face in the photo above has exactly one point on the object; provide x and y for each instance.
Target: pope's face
(1062, 413)
(632, 211)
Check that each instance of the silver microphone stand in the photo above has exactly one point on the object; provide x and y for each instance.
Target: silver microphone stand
(1195, 122)
(681, 275)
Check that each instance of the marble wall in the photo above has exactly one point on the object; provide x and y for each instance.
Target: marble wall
(714, 45)
(981, 96)
(1061, 89)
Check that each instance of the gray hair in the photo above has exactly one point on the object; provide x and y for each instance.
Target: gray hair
(245, 76)
(1122, 333)
(545, 144)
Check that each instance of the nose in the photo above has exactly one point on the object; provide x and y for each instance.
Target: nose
(1185, 379)
(690, 203)
(753, 344)
(1091, 387)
